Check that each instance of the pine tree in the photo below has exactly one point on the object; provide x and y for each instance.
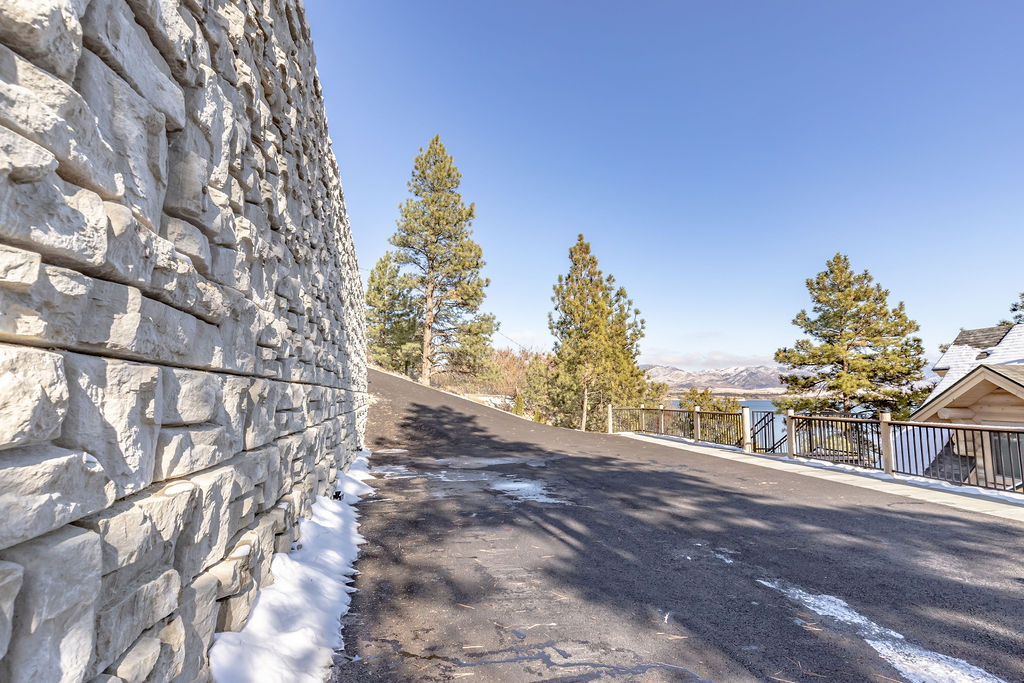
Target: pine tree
(536, 382)
(597, 333)
(865, 355)
(391, 318)
(708, 401)
(1017, 308)
(433, 237)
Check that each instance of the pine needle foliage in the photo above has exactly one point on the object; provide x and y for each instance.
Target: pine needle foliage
(391, 318)
(1017, 308)
(860, 353)
(708, 401)
(597, 333)
(435, 241)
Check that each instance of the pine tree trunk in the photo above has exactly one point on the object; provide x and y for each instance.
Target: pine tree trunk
(586, 397)
(428, 334)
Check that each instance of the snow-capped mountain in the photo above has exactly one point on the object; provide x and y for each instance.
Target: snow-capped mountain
(739, 378)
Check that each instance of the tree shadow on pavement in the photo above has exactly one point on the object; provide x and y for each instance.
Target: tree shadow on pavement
(651, 530)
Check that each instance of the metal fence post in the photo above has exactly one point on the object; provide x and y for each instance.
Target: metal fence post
(661, 419)
(643, 419)
(791, 433)
(696, 423)
(610, 418)
(747, 428)
(885, 433)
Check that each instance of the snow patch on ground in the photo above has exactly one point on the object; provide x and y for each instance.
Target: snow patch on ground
(385, 451)
(470, 463)
(923, 482)
(914, 663)
(523, 489)
(293, 630)
(395, 472)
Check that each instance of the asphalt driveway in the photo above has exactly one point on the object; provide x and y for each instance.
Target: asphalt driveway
(503, 550)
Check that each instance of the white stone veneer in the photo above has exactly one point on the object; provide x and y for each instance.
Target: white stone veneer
(181, 326)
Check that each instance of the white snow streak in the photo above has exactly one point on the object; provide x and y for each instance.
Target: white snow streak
(522, 489)
(293, 629)
(914, 663)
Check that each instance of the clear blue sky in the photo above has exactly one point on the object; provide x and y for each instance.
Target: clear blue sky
(715, 154)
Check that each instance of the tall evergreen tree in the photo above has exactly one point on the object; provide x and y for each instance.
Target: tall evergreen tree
(1017, 308)
(536, 385)
(860, 351)
(434, 239)
(597, 333)
(391, 318)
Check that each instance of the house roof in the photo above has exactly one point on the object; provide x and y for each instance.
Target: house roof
(991, 346)
(982, 338)
(1014, 373)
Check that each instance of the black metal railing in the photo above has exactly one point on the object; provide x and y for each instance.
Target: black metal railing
(844, 440)
(626, 420)
(715, 427)
(990, 457)
(764, 438)
(977, 455)
(721, 428)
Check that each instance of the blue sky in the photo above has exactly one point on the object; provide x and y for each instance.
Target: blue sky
(715, 154)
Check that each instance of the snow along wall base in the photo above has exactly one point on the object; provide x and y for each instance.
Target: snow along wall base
(181, 326)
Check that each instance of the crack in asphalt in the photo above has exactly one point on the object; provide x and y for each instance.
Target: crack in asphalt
(541, 655)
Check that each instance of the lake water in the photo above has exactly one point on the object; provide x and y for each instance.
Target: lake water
(755, 405)
(764, 405)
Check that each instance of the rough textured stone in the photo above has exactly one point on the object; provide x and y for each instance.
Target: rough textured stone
(118, 625)
(198, 611)
(182, 335)
(11, 577)
(140, 533)
(189, 397)
(189, 240)
(49, 112)
(45, 32)
(137, 661)
(33, 394)
(43, 487)
(112, 411)
(172, 651)
(136, 132)
(53, 628)
(111, 32)
(184, 450)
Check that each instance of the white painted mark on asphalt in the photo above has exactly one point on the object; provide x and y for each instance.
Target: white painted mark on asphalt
(914, 663)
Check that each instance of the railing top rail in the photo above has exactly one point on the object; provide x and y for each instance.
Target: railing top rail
(679, 410)
(835, 419)
(950, 425)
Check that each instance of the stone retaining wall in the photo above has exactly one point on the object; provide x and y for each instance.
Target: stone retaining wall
(181, 326)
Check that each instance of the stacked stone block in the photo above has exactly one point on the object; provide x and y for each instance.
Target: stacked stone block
(181, 330)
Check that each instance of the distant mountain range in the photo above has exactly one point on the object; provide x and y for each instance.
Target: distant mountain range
(747, 380)
(750, 379)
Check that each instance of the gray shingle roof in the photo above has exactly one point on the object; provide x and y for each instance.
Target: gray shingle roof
(982, 338)
(1014, 373)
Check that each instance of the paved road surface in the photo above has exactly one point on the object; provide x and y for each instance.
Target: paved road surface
(642, 562)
